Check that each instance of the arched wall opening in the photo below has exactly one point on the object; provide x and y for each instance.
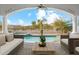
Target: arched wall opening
(20, 22)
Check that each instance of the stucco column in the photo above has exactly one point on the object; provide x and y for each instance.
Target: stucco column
(74, 24)
(5, 27)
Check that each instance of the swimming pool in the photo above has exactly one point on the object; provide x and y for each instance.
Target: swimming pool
(33, 39)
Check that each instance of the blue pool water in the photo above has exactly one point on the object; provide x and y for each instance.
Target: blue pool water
(33, 39)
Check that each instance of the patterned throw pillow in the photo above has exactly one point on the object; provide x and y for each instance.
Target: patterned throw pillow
(9, 37)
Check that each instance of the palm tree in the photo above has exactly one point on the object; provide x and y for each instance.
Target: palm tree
(33, 24)
(40, 26)
(47, 26)
(61, 25)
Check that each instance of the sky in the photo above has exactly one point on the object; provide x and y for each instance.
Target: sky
(0, 20)
(26, 16)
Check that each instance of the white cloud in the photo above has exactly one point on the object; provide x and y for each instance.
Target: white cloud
(50, 12)
(26, 24)
(41, 13)
(21, 22)
(29, 14)
(9, 21)
(51, 17)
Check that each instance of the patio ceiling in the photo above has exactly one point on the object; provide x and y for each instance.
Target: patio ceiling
(8, 8)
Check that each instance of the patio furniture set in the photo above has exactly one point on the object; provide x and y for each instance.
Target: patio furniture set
(9, 45)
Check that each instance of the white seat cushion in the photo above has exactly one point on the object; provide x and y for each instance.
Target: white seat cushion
(77, 49)
(2, 39)
(65, 41)
(9, 46)
(9, 37)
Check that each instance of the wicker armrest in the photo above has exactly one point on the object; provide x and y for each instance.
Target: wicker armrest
(64, 36)
(76, 43)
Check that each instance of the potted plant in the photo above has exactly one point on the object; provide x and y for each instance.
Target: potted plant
(42, 40)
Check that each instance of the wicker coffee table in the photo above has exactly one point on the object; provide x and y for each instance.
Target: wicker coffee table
(48, 50)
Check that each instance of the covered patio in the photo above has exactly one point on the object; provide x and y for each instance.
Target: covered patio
(72, 9)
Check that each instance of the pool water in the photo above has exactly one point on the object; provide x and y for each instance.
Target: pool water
(33, 39)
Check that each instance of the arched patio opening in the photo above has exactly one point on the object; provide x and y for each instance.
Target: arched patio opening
(66, 16)
(61, 7)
